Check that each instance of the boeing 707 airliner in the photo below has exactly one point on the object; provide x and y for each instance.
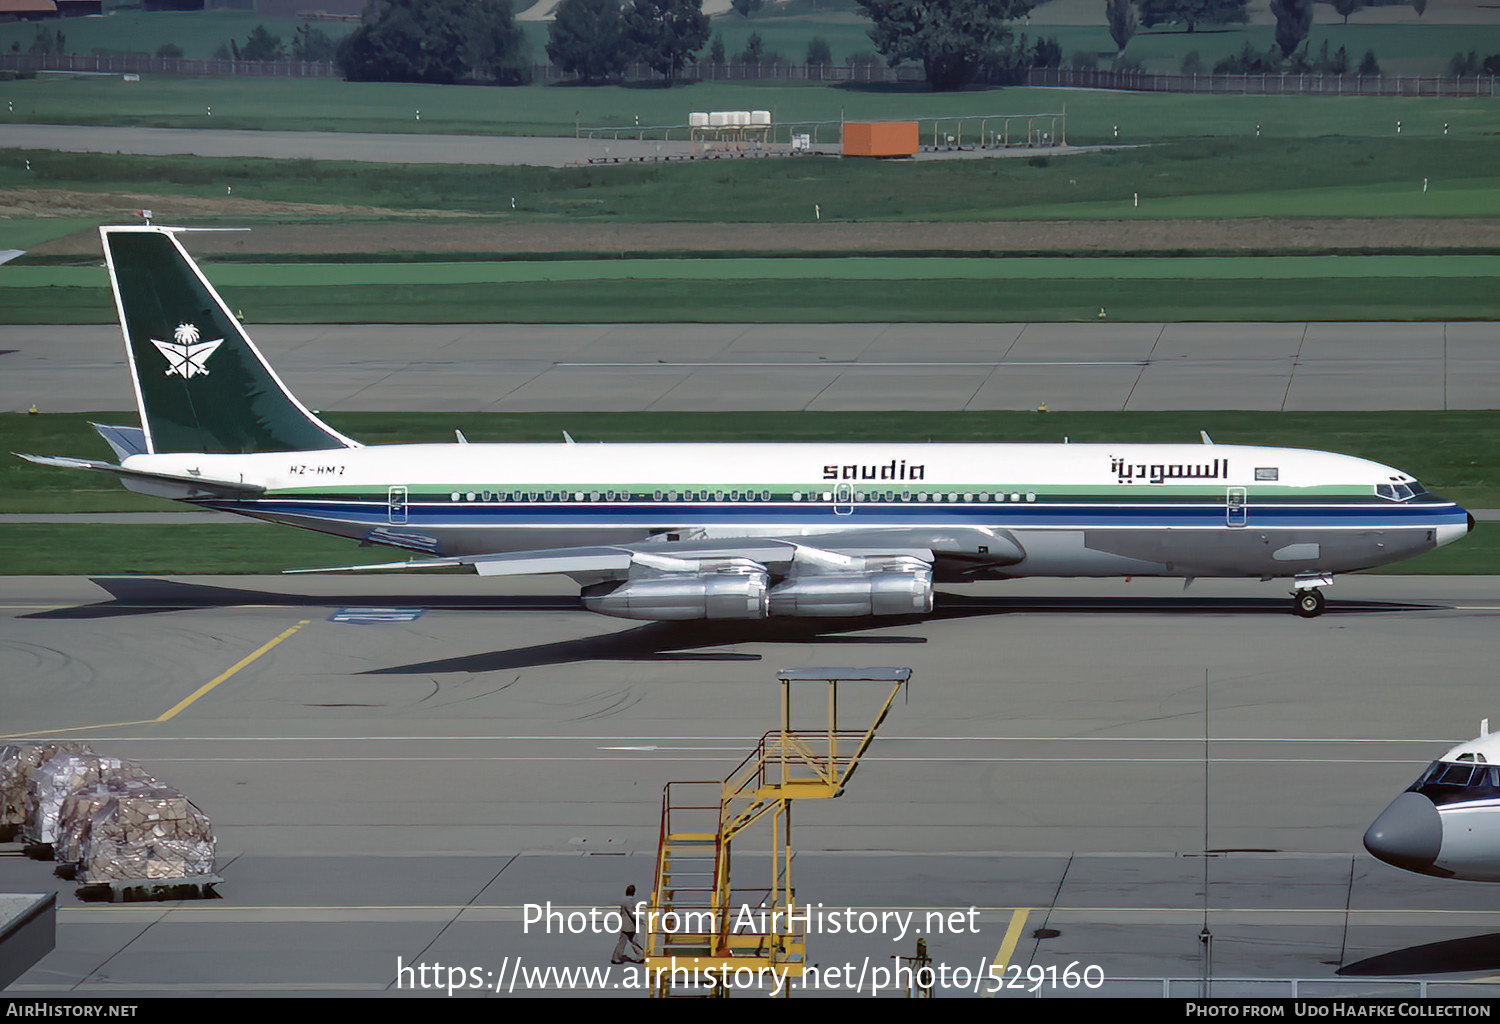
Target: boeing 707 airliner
(729, 531)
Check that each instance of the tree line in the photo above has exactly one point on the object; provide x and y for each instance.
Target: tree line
(956, 42)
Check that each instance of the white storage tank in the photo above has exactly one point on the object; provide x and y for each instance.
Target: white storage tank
(697, 119)
(760, 118)
(718, 118)
(739, 117)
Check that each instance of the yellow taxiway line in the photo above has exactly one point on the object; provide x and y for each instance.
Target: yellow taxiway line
(181, 705)
(216, 680)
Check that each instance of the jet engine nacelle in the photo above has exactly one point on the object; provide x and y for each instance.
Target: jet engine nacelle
(898, 585)
(729, 588)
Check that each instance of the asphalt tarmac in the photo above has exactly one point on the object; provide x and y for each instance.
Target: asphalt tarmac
(390, 148)
(418, 759)
(875, 367)
(602, 146)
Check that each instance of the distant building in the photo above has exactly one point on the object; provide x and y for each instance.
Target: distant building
(27, 10)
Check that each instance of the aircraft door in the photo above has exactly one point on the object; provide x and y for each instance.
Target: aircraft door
(396, 505)
(843, 499)
(1234, 506)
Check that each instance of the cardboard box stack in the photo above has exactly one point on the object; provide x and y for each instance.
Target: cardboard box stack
(157, 835)
(107, 818)
(78, 810)
(58, 777)
(17, 762)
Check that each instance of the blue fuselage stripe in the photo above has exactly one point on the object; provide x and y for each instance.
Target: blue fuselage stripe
(1001, 516)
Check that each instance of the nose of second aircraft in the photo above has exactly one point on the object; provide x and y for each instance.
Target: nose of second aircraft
(1408, 834)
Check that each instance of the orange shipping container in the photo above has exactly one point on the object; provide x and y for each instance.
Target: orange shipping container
(880, 138)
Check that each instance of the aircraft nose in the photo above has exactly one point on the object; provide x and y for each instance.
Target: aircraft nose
(1408, 834)
(1471, 522)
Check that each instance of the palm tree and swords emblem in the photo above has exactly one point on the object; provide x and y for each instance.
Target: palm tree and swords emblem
(186, 355)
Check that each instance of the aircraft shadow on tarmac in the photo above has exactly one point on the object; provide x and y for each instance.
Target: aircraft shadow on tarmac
(658, 641)
(1452, 956)
(149, 595)
(665, 641)
(144, 595)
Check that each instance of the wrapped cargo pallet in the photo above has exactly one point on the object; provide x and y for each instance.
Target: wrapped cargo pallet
(150, 836)
(79, 808)
(17, 762)
(57, 777)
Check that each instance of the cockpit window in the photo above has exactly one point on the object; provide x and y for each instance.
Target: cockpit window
(1453, 782)
(1400, 492)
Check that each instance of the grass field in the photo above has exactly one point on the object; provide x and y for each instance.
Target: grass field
(792, 268)
(790, 289)
(814, 301)
(332, 105)
(1192, 178)
(44, 550)
(1403, 49)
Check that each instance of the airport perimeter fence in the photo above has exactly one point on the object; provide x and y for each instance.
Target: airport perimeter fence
(1064, 78)
(143, 64)
(1289, 84)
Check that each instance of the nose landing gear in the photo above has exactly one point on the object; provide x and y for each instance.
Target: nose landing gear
(1307, 594)
(1308, 603)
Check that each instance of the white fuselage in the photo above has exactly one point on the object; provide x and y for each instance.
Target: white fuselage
(1073, 509)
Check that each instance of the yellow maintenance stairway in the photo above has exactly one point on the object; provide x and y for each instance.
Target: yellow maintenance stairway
(699, 924)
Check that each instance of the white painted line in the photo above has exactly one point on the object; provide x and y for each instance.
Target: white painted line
(848, 364)
(1195, 740)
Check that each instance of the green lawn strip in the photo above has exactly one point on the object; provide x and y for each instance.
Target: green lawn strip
(813, 301)
(1450, 452)
(1443, 198)
(848, 268)
(28, 549)
(561, 109)
(21, 233)
(1198, 177)
(1478, 554)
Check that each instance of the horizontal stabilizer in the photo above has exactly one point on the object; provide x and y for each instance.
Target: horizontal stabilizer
(191, 486)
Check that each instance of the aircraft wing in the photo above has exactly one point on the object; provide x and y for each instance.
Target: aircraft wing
(777, 554)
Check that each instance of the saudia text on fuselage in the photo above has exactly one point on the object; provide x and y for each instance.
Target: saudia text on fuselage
(896, 469)
(1158, 473)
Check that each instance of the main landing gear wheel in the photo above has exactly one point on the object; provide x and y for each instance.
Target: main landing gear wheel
(1308, 603)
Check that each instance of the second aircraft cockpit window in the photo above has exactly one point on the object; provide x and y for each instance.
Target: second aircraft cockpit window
(1450, 781)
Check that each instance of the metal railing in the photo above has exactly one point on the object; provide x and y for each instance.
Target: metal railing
(145, 64)
(1282, 84)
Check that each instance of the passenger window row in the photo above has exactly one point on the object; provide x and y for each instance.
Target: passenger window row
(738, 495)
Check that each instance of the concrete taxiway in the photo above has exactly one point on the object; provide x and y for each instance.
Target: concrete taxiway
(414, 760)
(387, 147)
(613, 145)
(733, 367)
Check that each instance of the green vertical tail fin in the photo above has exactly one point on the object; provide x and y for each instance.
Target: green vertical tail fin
(200, 383)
